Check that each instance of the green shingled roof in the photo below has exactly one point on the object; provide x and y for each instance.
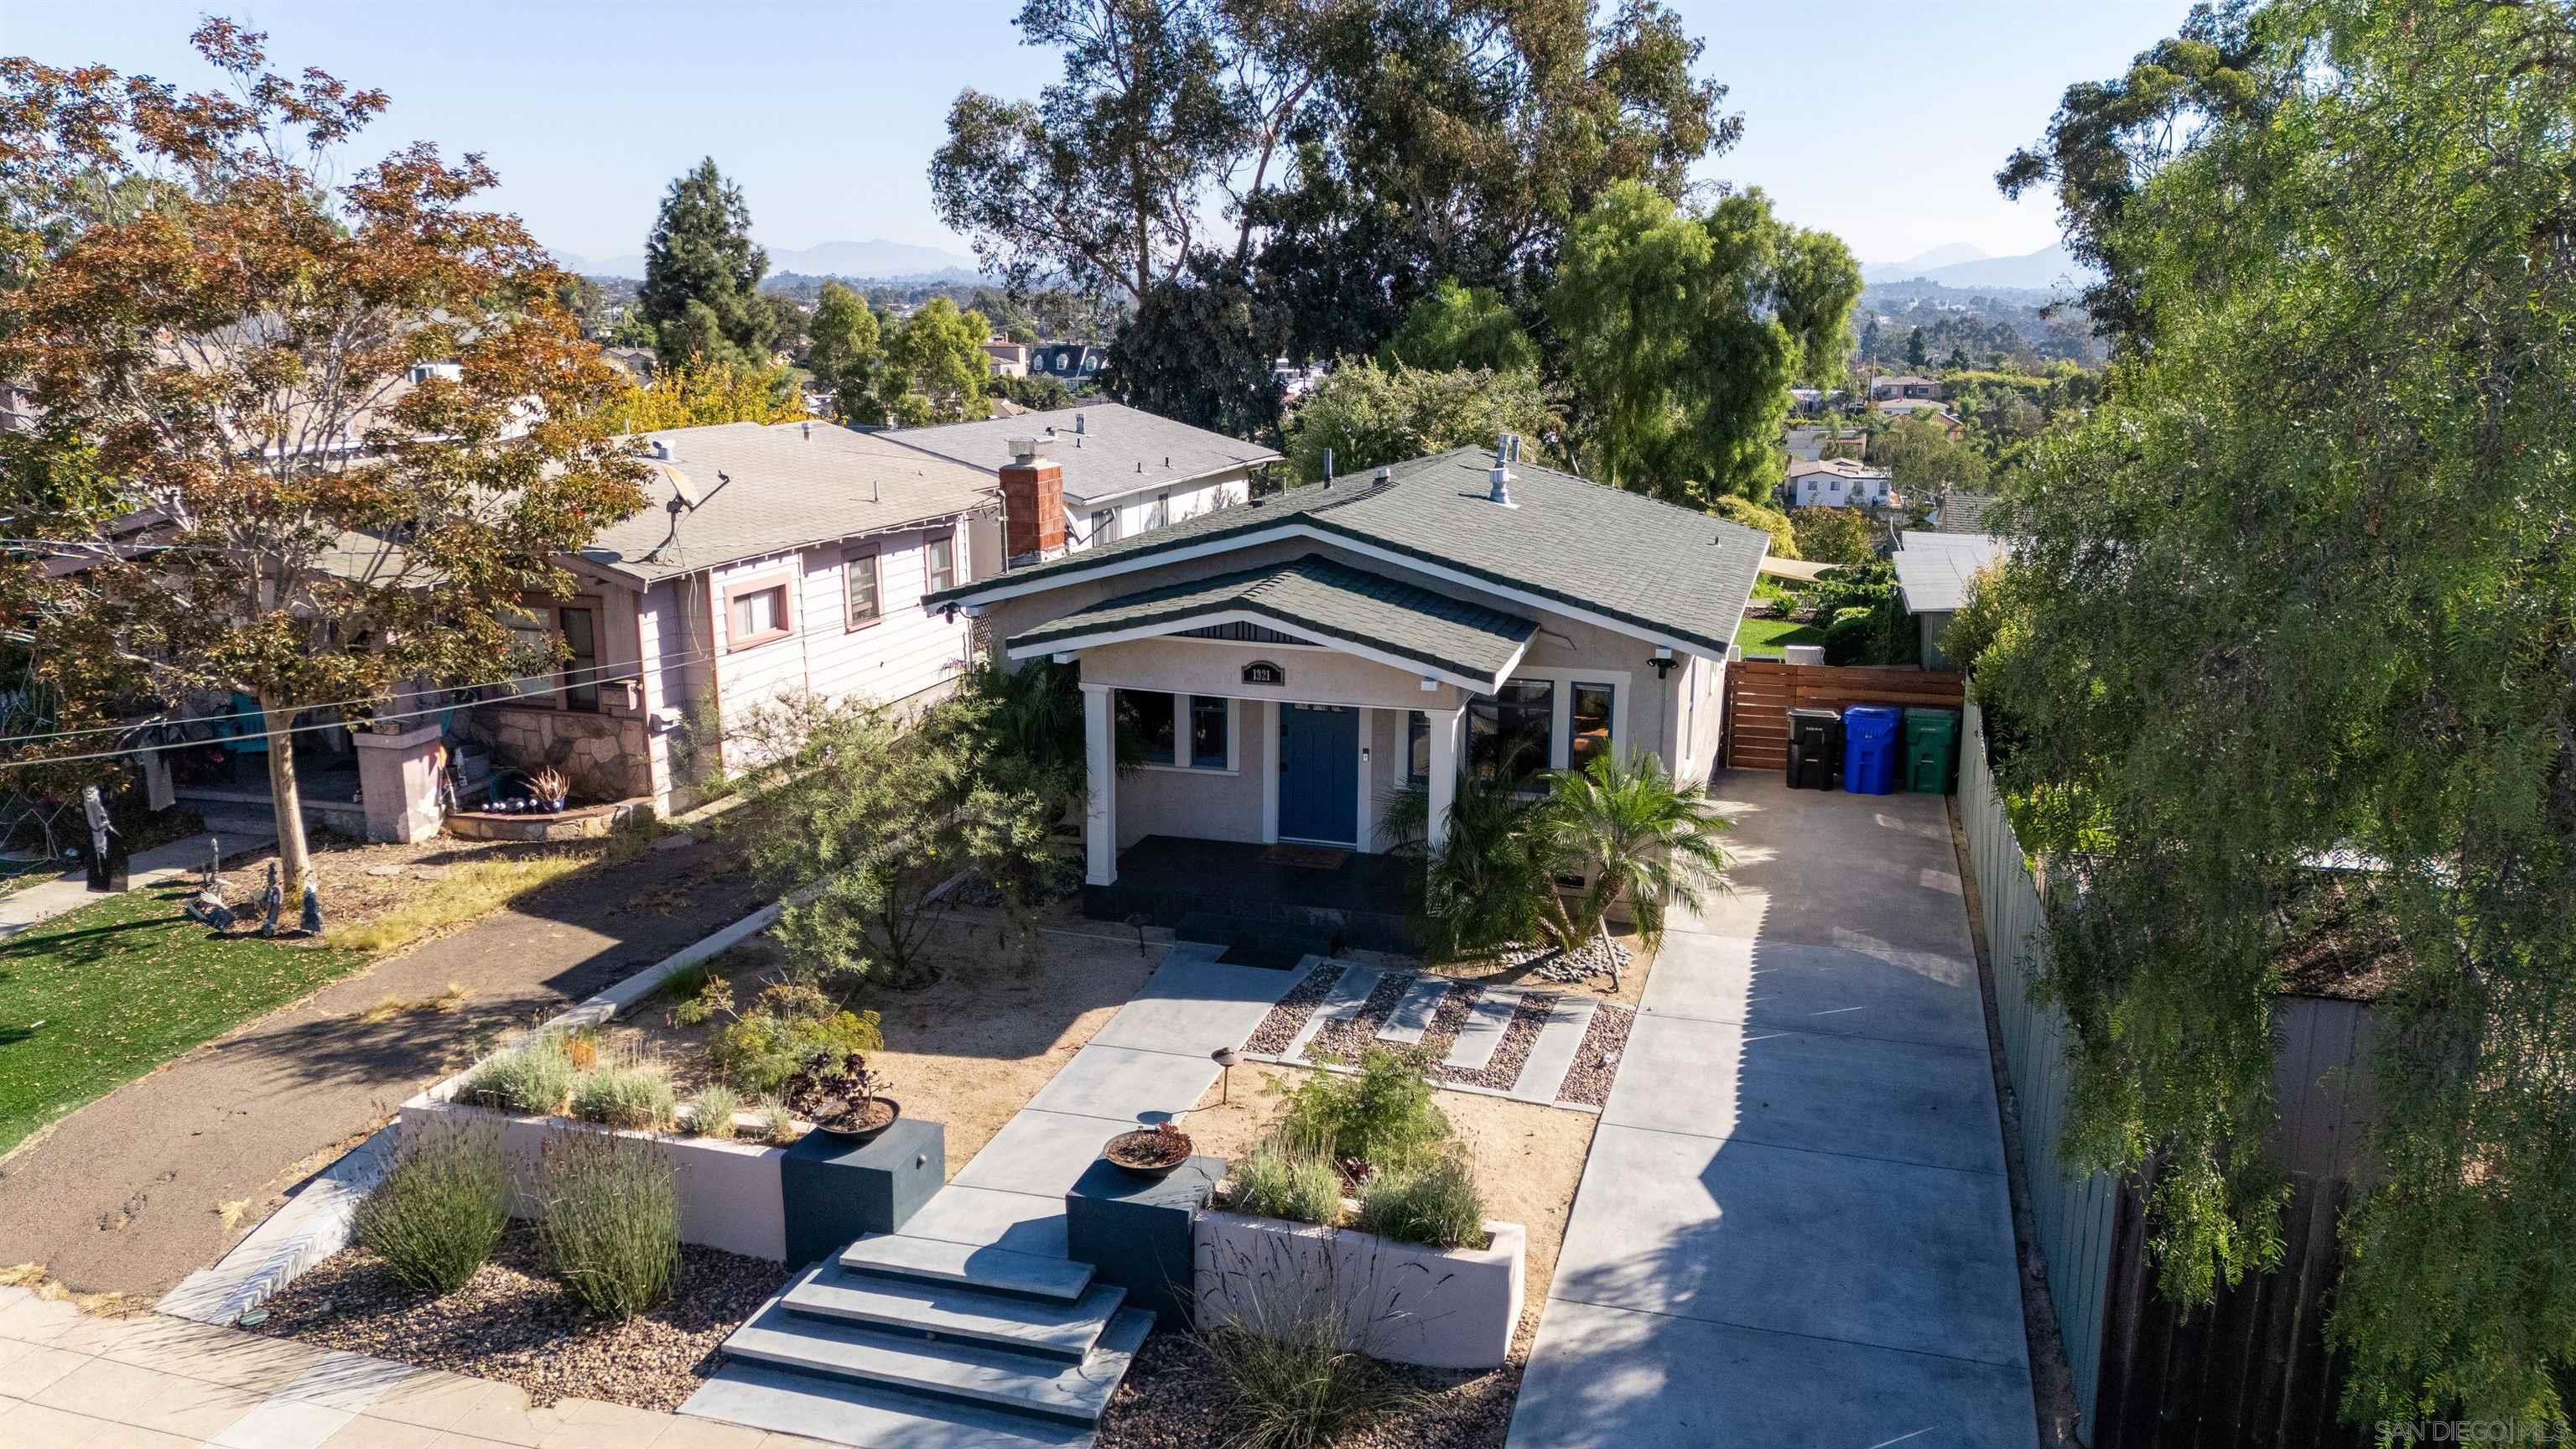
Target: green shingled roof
(1314, 595)
(1664, 570)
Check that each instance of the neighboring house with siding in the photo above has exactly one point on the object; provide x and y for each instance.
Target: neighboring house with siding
(1932, 574)
(771, 560)
(1122, 471)
(1291, 662)
(1839, 483)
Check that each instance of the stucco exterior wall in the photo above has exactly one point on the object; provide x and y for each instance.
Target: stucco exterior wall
(1661, 715)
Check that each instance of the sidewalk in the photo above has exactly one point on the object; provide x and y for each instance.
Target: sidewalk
(180, 858)
(158, 1178)
(69, 1381)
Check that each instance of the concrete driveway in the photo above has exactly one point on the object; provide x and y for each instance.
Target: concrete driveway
(1794, 1228)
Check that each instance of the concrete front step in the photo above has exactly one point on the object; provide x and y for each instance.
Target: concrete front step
(868, 1416)
(942, 1311)
(967, 1265)
(1027, 1383)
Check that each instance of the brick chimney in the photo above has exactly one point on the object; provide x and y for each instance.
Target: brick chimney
(1032, 501)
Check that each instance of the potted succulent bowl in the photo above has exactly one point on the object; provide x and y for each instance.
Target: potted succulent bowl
(842, 1097)
(1148, 1151)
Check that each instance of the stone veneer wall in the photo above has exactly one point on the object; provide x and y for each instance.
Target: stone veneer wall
(602, 755)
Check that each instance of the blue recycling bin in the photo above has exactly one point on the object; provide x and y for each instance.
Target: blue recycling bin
(1869, 748)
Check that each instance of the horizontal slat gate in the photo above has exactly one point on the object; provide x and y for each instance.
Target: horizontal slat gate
(1761, 692)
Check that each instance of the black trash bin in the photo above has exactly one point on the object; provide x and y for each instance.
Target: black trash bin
(1815, 749)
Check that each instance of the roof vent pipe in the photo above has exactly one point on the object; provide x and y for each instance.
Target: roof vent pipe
(1499, 481)
(1384, 477)
(1328, 467)
(1078, 426)
(661, 450)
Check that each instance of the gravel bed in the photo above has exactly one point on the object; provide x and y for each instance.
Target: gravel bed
(512, 1322)
(1344, 1040)
(1288, 1018)
(1583, 963)
(1449, 1018)
(1597, 1060)
(1510, 1053)
(1174, 1398)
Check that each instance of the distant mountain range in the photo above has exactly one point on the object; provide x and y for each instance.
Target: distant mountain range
(1960, 265)
(874, 258)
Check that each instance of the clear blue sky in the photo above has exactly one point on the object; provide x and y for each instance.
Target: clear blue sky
(1882, 122)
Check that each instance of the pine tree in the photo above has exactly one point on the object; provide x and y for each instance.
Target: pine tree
(702, 274)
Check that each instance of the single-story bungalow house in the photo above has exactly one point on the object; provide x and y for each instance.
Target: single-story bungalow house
(1292, 662)
(1932, 574)
(1120, 472)
(773, 559)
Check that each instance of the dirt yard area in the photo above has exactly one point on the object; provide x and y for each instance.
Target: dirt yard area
(970, 1049)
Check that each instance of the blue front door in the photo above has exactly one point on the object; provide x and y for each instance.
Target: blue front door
(1319, 773)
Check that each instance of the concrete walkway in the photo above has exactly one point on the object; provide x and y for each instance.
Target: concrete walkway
(68, 1381)
(1150, 1063)
(158, 866)
(1794, 1227)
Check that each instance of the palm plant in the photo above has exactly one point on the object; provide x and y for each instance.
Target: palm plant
(1488, 885)
(1634, 831)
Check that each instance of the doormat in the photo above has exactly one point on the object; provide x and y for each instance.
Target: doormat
(1306, 857)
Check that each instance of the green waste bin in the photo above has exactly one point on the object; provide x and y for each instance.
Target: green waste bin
(1931, 751)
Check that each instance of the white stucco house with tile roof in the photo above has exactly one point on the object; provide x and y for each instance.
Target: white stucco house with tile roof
(1292, 662)
(1122, 472)
(770, 560)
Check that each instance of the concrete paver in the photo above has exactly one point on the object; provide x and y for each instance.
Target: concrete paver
(1794, 1226)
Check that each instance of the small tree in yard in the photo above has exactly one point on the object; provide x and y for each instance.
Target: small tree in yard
(1639, 835)
(259, 486)
(884, 809)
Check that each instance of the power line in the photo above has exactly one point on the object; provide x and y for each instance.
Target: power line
(599, 673)
(693, 657)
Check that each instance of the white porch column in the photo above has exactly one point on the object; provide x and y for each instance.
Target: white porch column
(1366, 835)
(1100, 765)
(1446, 727)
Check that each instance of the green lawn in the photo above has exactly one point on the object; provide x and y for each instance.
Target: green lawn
(98, 997)
(1767, 636)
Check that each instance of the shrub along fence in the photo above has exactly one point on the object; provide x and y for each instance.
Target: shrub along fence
(2252, 1367)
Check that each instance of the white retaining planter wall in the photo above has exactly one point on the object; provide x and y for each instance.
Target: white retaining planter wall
(729, 1191)
(1401, 1302)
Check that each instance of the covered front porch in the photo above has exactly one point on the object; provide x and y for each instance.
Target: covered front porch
(1225, 889)
(1281, 705)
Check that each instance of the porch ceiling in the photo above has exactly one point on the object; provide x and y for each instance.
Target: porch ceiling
(1335, 604)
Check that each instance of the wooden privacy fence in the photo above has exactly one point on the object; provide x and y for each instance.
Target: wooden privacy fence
(2251, 1368)
(1761, 692)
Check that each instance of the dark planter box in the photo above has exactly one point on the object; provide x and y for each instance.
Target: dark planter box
(835, 1191)
(1135, 1231)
